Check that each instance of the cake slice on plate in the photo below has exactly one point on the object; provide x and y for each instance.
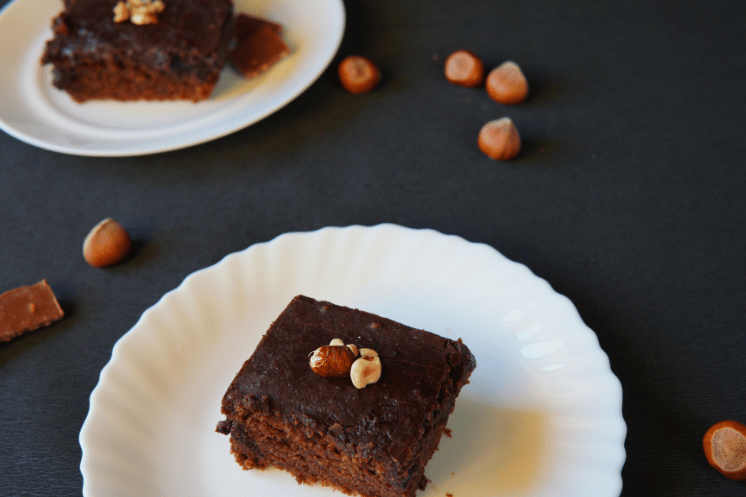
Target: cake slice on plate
(372, 437)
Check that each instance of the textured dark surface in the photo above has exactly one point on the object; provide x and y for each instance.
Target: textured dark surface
(628, 198)
(421, 372)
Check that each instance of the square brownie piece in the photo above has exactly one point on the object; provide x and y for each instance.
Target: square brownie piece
(374, 441)
(177, 57)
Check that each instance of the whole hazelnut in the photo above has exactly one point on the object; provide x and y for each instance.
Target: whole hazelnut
(725, 448)
(506, 84)
(463, 68)
(106, 244)
(358, 74)
(499, 139)
(332, 361)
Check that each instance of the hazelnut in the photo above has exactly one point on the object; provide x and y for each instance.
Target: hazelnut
(499, 139)
(106, 244)
(358, 74)
(368, 353)
(463, 68)
(336, 341)
(354, 349)
(725, 448)
(366, 369)
(332, 361)
(506, 84)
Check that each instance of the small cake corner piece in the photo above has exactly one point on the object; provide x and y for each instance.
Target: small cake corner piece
(258, 45)
(139, 49)
(372, 438)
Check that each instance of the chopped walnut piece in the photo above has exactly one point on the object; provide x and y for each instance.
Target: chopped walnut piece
(121, 12)
(138, 12)
(141, 18)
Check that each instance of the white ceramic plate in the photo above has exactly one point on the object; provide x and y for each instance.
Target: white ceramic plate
(33, 111)
(541, 416)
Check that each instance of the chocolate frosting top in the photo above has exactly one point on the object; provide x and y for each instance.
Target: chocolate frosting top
(388, 415)
(183, 24)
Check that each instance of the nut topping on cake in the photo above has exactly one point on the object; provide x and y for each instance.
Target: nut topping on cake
(138, 11)
(121, 12)
(366, 369)
(337, 360)
(332, 361)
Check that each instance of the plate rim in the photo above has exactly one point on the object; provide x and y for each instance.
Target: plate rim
(229, 122)
(620, 423)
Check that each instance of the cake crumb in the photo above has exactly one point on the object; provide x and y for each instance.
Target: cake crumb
(448, 433)
(449, 494)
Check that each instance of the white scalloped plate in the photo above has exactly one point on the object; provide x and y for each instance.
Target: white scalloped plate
(35, 112)
(541, 416)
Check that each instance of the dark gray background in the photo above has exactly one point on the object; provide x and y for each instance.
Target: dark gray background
(628, 198)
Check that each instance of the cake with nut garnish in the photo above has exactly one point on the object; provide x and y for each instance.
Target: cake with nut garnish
(139, 49)
(345, 398)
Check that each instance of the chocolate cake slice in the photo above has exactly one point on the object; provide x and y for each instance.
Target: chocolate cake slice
(374, 440)
(166, 50)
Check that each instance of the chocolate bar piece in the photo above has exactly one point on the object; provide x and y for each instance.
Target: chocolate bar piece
(27, 308)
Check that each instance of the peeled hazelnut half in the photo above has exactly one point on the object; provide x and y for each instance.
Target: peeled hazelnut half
(366, 369)
(725, 448)
(463, 68)
(507, 84)
(106, 244)
(358, 74)
(499, 139)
